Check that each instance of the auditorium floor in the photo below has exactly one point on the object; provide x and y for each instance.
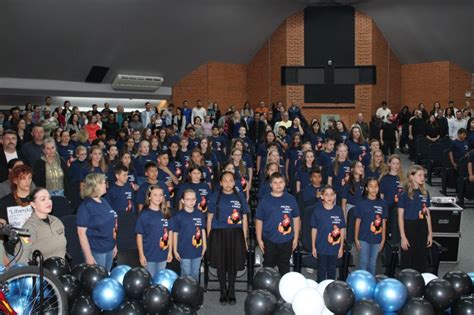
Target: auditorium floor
(466, 261)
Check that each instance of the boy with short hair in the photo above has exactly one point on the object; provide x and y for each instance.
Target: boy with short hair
(120, 195)
(459, 148)
(151, 174)
(311, 194)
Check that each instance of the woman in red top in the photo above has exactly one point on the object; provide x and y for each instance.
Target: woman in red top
(92, 128)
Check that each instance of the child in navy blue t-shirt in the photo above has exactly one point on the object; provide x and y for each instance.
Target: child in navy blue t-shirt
(265, 188)
(370, 226)
(327, 234)
(304, 170)
(151, 172)
(189, 244)
(154, 232)
(139, 162)
(339, 172)
(414, 221)
(277, 225)
(311, 194)
(353, 189)
(459, 148)
(120, 195)
(194, 181)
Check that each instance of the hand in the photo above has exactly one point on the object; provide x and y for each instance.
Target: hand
(246, 245)
(410, 137)
(90, 260)
(143, 261)
(471, 178)
(135, 186)
(429, 241)
(114, 252)
(170, 257)
(404, 243)
(455, 166)
(381, 142)
(382, 244)
(357, 244)
(314, 253)
(3, 221)
(262, 246)
(176, 255)
(295, 244)
(340, 253)
(204, 248)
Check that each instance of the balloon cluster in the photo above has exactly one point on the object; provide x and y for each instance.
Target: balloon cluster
(133, 291)
(410, 293)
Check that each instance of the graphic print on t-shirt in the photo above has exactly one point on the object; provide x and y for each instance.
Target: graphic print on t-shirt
(424, 209)
(164, 239)
(243, 183)
(234, 218)
(285, 225)
(203, 204)
(345, 179)
(376, 225)
(197, 238)
(334, 238)
(363, 149)
(400, 190)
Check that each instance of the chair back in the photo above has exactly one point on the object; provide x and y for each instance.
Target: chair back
(73, 245)
(61, 206)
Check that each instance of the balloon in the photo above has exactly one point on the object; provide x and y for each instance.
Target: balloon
(338, 297)
(78, 270)
(323, 284)
(390, 294)
(440, 293)
(428, 277)
(119, 272)
(308, 301)
(460, 281)
(71, 285)
(91, 276)
(186, 291)
(379, 278)
(417, 306)
(413, 281)
(366, 307)
(326, 311)
(362, 283)
(283, 309)
(267, 279)
(471, 275)
(179, 309)
(135, 282)
(57, 265)
(166, 278)
(108, 294)
(131, 308)
(156, 299)
(465, 306)
(290, 284)
(312, 284)
(260, 302)
(83, 305)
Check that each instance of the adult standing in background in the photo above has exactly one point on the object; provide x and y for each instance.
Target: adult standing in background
(8, 153)
(457, 124)
(32, 150)
(111, 126)
(146, 114)
(187, 112)
(404, 120)
(198, 111)
(295, 112)
(285, 122)
(383, 112)
(442, 124)
(364, 127)
(121, 116)
(416, 128)
(262, 109)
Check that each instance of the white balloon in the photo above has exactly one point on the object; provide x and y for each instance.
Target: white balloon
(312, 284)
(308, 301)
(428, 277)
(323, 284)
(326, 311)
(290, 284)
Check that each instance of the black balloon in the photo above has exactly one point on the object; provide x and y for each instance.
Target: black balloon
(440, 293)
(267, 279)
(417, 306)
(366, 307)
(180, 309)
(77, 270)
(71, 285)
(413, 281)
(380, 277)
(83, 305)
(135, 282)
(156, 299)
(260, 302)
(464, 306)
(91, 276)
(283, 309)
(131, 308)
(338, 297)
(186, 290)
(460, 281)
(57, 265)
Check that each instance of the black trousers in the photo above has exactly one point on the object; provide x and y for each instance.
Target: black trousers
(416, 257)
(278, 255)
(388, 147)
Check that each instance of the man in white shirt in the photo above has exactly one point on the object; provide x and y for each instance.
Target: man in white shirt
(285, 122)
(198, 111)
(456, 124)
(8, 153)
(383, 112)
(146, 114)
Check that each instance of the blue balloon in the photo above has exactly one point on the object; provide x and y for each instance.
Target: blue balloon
(166, 278)
(119, 272)
(471, 275)
(391, 295)
(363, 284)
(108, 294)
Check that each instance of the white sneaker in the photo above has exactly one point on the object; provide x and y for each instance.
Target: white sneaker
(309, 270)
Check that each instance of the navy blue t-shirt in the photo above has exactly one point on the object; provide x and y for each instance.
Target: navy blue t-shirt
(139, 164)
(416, 208)
(142, 191)
(459, 149)
(303, 175)
(326, 158)
(190, 229)
(203, 194)
(277, 215)
(371, 214)
(357, 151)
(120, 198)
(369, 173)
(342, 176)
(264, 188)
(66, 152)
(154, 229)
(353, 199)
(76, 170)
(328, 223)
(391, 189)
(311, 195)
(88, 170)
(101, 221)
(231, 209)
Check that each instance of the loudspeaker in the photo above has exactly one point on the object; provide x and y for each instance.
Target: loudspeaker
(97, 74)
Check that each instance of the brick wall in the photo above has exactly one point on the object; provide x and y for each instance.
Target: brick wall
(459, 84)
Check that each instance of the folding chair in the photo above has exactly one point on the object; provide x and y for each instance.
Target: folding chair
(434, 161)
(422, 145)
(126, 242)
(73, 247)
(445, 142)
(448, 174)
(61, 206)
(465, 188)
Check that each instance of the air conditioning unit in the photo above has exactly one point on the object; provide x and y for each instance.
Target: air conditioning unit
(136, 82)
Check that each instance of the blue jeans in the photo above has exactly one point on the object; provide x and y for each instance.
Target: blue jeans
(368, 256)
(104, 259)
(57, 192)
(327, 267)
(191, 267)
(154, 267)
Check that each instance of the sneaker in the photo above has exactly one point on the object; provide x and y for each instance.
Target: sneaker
(309, 270)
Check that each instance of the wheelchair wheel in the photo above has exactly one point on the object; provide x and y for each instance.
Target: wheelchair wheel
(23, 291)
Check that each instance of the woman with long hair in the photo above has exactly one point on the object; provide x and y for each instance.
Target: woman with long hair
(433, 132)
(294, 153)
(353, 190)
(340, 170)
(356, 144)
(262, 148)
(241, 172)
(376, 165)
(303, 172)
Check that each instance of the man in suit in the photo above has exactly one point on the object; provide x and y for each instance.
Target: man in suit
(8, 152)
